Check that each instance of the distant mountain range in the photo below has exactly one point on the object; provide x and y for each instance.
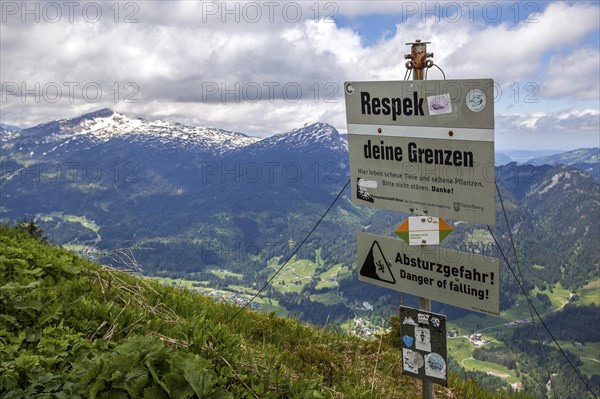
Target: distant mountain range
(106, 125)
(191, 199)
(574, 157)
(136, 180)
(521, 156)
(586, 159)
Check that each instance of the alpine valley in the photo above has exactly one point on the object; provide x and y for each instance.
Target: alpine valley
(218, 212)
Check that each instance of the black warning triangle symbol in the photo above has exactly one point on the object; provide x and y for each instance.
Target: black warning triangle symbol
(376, 265)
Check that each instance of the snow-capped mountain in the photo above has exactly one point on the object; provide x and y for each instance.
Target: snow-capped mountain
(151, 179)
(313, 153)
(106, 125)
(60, 137)
(316, 135)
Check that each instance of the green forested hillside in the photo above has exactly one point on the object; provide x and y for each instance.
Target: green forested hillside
(73, 329)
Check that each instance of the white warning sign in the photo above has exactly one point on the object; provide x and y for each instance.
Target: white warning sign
(456, 278)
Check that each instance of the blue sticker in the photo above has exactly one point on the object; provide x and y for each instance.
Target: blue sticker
(408, 341)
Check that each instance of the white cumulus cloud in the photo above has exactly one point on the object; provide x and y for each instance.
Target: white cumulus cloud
(192, 62)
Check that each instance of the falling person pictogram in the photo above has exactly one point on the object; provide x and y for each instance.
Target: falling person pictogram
(376, 266)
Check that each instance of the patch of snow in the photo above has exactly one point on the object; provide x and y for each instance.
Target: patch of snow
(104, 128)
(553, 182)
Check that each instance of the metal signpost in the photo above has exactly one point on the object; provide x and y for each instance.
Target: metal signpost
(425, 147)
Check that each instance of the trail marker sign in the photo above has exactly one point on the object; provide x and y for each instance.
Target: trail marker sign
(423, 147)
(456, 278)
(424, 350)
(423, 230)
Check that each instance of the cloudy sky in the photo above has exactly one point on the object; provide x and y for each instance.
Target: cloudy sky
(268, 66)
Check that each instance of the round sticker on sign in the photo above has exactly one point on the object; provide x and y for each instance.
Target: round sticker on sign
(413, 361)
(435, 366)
(475, 100)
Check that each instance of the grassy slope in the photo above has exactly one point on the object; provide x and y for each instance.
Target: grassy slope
(589, 294)
(69, 329)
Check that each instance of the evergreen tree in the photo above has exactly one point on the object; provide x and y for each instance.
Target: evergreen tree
(32, 230)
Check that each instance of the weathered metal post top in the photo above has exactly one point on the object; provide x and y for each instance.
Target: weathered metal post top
(418, 58)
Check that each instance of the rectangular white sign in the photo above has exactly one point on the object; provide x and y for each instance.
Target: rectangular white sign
(456, 278)
(423, 147)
